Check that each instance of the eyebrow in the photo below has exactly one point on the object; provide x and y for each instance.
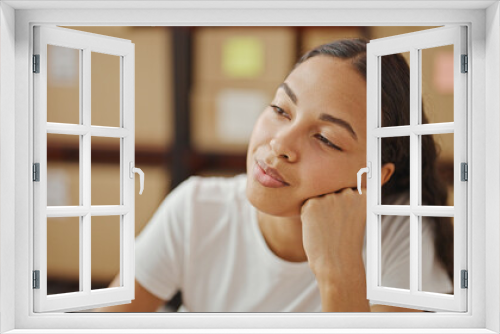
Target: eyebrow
(323, 117)
(289, 92)
(338, 121)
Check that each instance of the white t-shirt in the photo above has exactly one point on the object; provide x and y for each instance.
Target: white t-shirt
(204, 240)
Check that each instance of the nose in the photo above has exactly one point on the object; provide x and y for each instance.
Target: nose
(283, 147)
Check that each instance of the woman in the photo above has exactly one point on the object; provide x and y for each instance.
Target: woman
(290, 235)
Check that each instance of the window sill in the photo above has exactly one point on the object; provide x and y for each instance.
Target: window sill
(247, 331)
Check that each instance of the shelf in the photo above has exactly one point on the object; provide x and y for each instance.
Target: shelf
(197, 161)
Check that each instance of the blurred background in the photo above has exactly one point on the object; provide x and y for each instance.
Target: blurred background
(198, 91)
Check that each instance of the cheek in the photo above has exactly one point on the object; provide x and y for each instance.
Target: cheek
(323, 180)
(261, 131)
(327, 175)
(257, 137)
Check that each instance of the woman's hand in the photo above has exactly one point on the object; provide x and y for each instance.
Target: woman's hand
(333, 229)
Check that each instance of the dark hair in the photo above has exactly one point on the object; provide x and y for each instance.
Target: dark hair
(395, 111)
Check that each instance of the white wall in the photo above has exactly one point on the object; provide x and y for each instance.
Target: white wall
(492, 155)
(7, 161)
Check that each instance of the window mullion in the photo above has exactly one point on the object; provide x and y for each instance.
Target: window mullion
(414, 170)
(421, 129)
(85, 162)
(127, 155)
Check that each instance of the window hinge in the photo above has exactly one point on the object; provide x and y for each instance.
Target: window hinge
(36, 279)
(465, 64)
(464, 171)
(465, 279)
(36, 63)
(36, 172)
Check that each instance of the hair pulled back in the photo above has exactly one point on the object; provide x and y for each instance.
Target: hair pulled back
(395, 112)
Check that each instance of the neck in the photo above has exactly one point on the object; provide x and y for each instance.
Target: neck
(283, 236)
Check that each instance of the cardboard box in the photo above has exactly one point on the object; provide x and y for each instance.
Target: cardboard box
(222, 117)
(239, 54)
(63, 85)
(153, 86)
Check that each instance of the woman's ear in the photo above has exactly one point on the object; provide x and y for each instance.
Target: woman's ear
(387, 171)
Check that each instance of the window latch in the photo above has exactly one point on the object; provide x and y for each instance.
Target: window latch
(368, 171)
(133, 170)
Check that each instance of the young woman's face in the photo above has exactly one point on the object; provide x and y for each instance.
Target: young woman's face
(311, 140)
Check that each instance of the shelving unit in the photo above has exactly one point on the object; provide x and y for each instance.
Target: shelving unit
(184, 150)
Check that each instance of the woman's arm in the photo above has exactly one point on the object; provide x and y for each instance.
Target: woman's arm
(333, 228)
(144, 301)
(386, 308)
(344, 291)
(349, 295)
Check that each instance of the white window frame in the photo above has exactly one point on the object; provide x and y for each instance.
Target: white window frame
(415, 43)
(85, 44)
(483, 21)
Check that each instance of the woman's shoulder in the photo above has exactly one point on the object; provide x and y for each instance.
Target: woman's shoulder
(214, 203)
(401, 198)
(216, 188)
(396, 228)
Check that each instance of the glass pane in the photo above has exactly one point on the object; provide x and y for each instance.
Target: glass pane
(437, 254)
(105, 171)
(395, 99)
(105, 250)
(437, 84)
(395, 261)
(396, 189)
(437, 169)
(105, 90)
(63, 85)
(63, 170)
(63, 255)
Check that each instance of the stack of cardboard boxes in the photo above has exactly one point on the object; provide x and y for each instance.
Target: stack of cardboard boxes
(153, 133)
(236, 74)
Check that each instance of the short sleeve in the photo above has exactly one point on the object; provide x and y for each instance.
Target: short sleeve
(395, 252)
(434, 275)
(159, 249)
(396, 257)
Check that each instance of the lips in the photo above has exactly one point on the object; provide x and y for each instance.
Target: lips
(268, 176)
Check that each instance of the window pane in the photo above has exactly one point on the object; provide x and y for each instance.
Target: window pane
(63, 255)
(437, 84)
(63, 85)
(105, 90)
(437, 261)
(437, 169)
(105, 171)
(105, 250)
(395, 95)
(396, 151)
(395, 251)
(63, 170)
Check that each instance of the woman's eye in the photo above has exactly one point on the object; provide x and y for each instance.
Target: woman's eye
(279, 111)
(327, 142)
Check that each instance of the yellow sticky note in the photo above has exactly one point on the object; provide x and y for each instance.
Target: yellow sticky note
(242, 57)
